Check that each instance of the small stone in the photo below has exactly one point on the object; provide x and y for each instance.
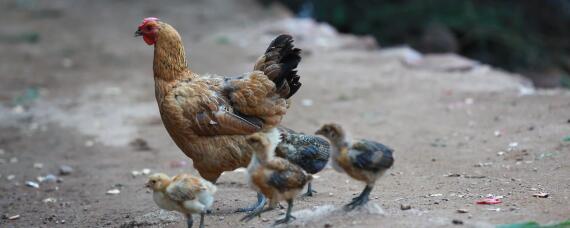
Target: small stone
(497, 133)
(462, 211)
(89, 143)
(14, 160)
(49, 200)
(457, 222)
(265, 220)
(32, 184)
(14, 217)
(65, 170)
(38, 165)
(113, 192)
(500, 153)
(328, 225)
(146, 171)
(10, 177)
(221, 218)
(405, 207)
(331, 194)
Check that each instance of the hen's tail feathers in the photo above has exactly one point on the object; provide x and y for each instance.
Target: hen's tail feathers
(279, 63)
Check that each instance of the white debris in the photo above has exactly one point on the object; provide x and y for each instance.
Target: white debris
(89, 143)
(135, 173)
(113, 192)
(32, 184)
(436, 195)
(10, 177)
(14, 217)
(307, 102)
(146, 171)
(38, 165)
(49, 200)
(497, 133)
(500, 153)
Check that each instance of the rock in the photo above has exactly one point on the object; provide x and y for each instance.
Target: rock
(10, 177)
(541, 195)
(146, 171)
(14, 217)
(265, 220)
(457, 222)
(65, 170)
(32, 184)
(49, 200)
(50, 178)
(405, 207)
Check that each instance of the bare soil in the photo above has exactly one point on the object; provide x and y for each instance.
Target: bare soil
(459, 132)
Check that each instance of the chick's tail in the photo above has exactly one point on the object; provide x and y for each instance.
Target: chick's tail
(279, 63)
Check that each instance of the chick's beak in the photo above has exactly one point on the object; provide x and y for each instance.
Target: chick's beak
(138, 33)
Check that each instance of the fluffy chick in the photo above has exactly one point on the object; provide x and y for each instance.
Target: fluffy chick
(309, 152)
(363, 160)
(277, 178)
(184, 193)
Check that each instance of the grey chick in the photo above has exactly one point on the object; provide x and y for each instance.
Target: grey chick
(363, 160)
(309, 152)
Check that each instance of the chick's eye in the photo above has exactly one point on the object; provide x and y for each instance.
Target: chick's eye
(152, 181)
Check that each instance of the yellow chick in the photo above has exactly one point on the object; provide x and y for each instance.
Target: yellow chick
(363, 160)
(275, 177)
(184, 193)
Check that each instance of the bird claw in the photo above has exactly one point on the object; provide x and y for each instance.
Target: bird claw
(309, 193)
(287, 219)
(356, 202)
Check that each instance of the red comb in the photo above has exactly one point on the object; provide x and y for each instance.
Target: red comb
(148, 19)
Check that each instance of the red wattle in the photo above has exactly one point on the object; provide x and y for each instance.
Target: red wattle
(149, 40)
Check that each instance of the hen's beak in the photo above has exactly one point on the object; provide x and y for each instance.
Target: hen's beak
(138, 33)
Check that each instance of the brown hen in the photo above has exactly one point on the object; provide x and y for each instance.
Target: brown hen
(210, 116)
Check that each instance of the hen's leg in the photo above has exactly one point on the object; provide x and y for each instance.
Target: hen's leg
(360, 200)
(288, 216)
(310, 190)
(260, 203)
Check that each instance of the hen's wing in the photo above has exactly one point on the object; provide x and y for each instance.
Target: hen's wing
(372, 156)
(184, 187)
(208, 112)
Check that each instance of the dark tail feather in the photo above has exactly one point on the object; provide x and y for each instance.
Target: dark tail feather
(279, 63)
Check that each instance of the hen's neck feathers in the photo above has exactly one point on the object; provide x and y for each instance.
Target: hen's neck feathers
(169, 55)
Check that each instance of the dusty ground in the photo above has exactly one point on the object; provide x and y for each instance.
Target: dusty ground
(96, 96)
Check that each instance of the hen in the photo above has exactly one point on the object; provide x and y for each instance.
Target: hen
(309, 152)
(363, 160)
(209, 116)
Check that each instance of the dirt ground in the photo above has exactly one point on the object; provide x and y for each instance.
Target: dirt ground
(76, 89)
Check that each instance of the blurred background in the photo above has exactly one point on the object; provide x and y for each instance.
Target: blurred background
(530, 37)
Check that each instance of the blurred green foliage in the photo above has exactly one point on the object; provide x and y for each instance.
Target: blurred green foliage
(518, 35)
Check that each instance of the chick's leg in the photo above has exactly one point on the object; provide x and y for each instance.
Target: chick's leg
(310, 190)
(202, 220)
(260, 203)
(288, 216)
(189, 221)
(256, 212)
(360, 200)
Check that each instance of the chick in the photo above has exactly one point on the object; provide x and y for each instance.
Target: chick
(277, 178)
(363, 160)
(309, 152)
(184, 193)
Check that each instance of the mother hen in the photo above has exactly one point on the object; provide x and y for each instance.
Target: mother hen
(210, 116)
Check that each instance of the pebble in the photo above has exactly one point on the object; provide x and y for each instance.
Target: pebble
(14, 217)
(328, 225)
(462, 211)
(38, 165)
(331, 194)
(404, 207)
(146, 171)
(10, 177)
(221, 218)
(307, 102)
(541, 195)
(135, 173)
(457, 222)
(265, 220)
(32, 184)
(65, 170)
(113, 192)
